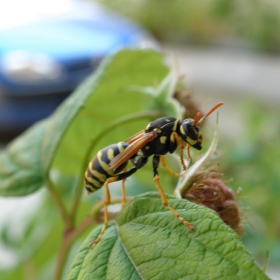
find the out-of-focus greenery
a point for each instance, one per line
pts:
(252, 160)
(253, 23)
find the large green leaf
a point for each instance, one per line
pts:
(20, 163)
(111, 111)
(103, 110)
(148, 242)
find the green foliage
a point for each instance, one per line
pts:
(207, 21)
(129, 89)
(20, 163)
(252, 162)
(147, 242)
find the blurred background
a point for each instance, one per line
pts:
(48, 48)
(227, 51)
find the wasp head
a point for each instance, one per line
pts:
(190, 133)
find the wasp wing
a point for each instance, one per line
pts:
(141, 141)
(135, 137)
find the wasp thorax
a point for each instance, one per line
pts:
(191, 134)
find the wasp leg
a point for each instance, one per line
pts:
(106, 203)
(123, 191)
(163, 162)
(107, 200)
(188, 152)
(180, 144)
(163, 197)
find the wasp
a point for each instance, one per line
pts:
(162, 136)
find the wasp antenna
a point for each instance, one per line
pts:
(210, 112)
(196, 118)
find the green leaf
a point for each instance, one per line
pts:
(110, 111)
(148, 242)
(20, 163)
(102, 111)
(163, 95)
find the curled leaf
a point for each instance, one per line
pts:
(186, 181)
(163, 96)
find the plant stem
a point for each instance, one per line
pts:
(67, 242)
(77, 199)
(59, 203)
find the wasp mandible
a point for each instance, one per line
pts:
(162, 136)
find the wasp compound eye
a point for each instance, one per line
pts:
(188, 130)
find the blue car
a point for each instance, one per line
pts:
(48, 47)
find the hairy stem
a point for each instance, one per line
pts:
(69, 238)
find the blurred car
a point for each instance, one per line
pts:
(48, 47)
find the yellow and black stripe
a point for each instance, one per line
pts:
(99, 170)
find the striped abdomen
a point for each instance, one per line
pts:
(99, 171)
